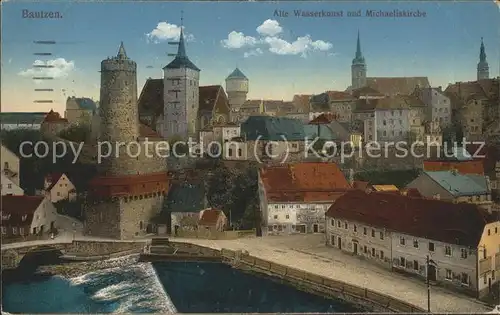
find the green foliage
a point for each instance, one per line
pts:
(181, 147)
(72, 209)
(34, 168)
(400, 178)
(235, 192)
(76, 133)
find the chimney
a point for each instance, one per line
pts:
(436, 197)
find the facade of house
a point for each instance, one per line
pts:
(53, 123)
(58, 186)
(79, 110)
(212, 220)
(9, 187)
(27, 215)
(293, 198)
(455, 187)
(400, 232)
(10, 164)
(438, 106)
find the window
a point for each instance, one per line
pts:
(287, 216)
(415, 265)
(402, 261)
(275, 217)
(484, 253)
(332, 240)
(447, 250)
(493, 275)
(276, 207)
(463, 253)
(381, 254)
(4, 230)
(140, 225)
(365, 231)
(365, 249)
(431, 247)
(338, 223)
(402, 240)
(485, 279)
(332, 222)
(373, 233)
(58, 194)
(449, 275)
(464, 278)
(9, 186)
(14, 230)
(355, 228)
(6, 165)
(21, 231)
(415, 243)
(24, 217)
(489, 231)
(346, 226)
(496, 230)
(373, 252)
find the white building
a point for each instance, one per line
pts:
(237, 90)
(180, 95)
(9, 187)
(58, 187)
(295, 197)
(400, 232)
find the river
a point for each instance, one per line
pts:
(170, 287)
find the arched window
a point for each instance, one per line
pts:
(6, 165)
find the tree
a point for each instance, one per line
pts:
(76, 133)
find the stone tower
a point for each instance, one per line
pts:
(483, 70)
(180, 94)
(358, 68)
(237, 89)
(119, 119)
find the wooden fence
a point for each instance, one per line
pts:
(317, 283)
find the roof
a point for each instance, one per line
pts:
(460, 184)
(366, 91)
(357, 184)
(387, 103)
(339, 96)
(313, 181)
(301, 102)
(209, 217)
(272, 129)
(181, 59)
(17, 207)
(482, 89)
(53, 178)
(385, 188)
(411, 192)
(185, 197)
(463, 167)
(22, 117)
(54, 117)
(325, 133)
(324, 118)
(236, 74)
(151, 98)
(210, 96)
(84, 103)
(396, 85)
(452, 223)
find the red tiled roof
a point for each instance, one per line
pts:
(307, 181)
(323, 119)
(437, 220)
(305, 196)
(463, 167)
(54, 117)
(17, 207)
(366, 91)
(209, 217)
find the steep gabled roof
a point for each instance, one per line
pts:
(19, 210)
(452, 223)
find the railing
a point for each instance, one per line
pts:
(485, 265)
(320, 283)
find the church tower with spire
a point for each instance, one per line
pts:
(358, 68)
(180, 94)
(483, 70)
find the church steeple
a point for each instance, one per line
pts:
(483, 70)
(181, 59)
(181, 51)
(358, 67)
(121, 52)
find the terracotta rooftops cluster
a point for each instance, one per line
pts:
(453, 223)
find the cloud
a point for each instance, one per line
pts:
(58, 68)
(270, 35)
(269, 28)
(254, 52)
(166, 31)
(237, 40)
(301, 46)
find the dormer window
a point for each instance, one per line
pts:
(5, 216)
(24, 217)
(6, 165)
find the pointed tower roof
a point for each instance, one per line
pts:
(121, 52)
(359, 56)
(482, 52)
(236, 74)
(181, 60)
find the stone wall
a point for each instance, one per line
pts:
(103, 219)
(134, 211)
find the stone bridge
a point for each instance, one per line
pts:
(13, 254)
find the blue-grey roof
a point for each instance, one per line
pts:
(181, 60)
(269, 128)
(460, 184)
(459, 154)
(86, 103)
(325, 133)
(237, 74)
(185, 197)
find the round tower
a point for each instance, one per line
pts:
(237, 89)
(119, 119)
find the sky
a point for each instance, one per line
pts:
(281, 55)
